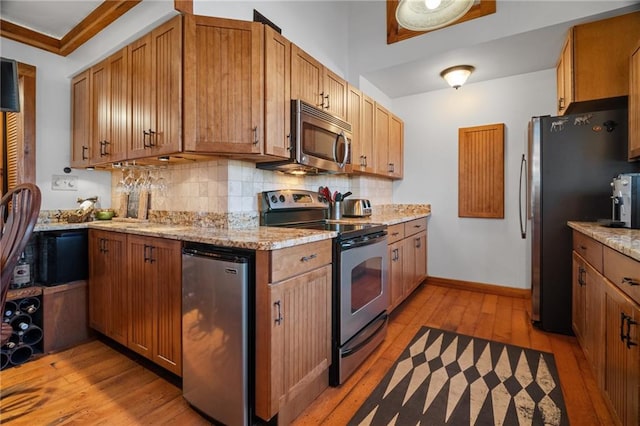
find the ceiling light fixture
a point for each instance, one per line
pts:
(429, 15)
(457, 76)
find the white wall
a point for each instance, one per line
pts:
(480, 250)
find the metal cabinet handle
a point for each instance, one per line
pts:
(148, 257)
(148, 133)
(321, 104)
(418, 242)
(631, 281)
(255, 135)
(279, 318)
(630, 322)
(560, 104)
(103, 148)
(623, 318)
(327, 98)
(289, 147)
(84, 149)
(581, 272)
(308, 258)
(365, 161)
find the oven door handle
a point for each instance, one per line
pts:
(355, 243)
(382, 319)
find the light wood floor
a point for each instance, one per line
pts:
(95, 384)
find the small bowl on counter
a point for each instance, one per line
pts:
(104, 214)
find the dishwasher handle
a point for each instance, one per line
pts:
(216, 255)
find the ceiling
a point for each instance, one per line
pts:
(401, 69)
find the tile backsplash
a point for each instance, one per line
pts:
(232, 186)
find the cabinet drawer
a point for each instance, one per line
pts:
(589, 249)
(623, 271)
(295, 260)
(415, 226)
(395, 233)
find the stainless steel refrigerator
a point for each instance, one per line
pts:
(571, 162)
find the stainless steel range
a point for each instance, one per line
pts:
(360, 287)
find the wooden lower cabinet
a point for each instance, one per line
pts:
(588, 303)
(605, 318)
(622, 362)
(155, 300)
(407, 259)
(293, 328)
(108, 309)
(135, 294)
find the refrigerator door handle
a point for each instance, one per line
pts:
(523, 221)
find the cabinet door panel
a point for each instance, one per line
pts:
(100, 110)
(142, 96)
(119, 130)
(165, 255)
(396, 273)
(306, 77)
(224, 87)
(301, 330)
(277, 94)
(98, 283)
(141, 296)
(335, 92)
(81, 120)
(167, 76)
(381, 140)
(396, 146)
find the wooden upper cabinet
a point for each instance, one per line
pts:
(223, 85)
(156, 91)
(360, 113)
(388, 143)
(597, 75)
(277, 94)
(81, 119)
(317, 85)
(396, 146)
(563, 75)
(110, 109)
(634, 104)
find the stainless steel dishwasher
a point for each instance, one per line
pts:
(217, 342)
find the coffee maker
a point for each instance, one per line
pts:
(625, 200)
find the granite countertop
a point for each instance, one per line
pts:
(250, 237)
(624, 240)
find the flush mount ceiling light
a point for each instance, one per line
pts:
(428, 15)
(456, 76)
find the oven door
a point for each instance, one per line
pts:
(363, 287)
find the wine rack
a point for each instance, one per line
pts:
(25, 317)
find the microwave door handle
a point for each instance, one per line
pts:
(346, 150)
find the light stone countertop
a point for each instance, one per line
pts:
(252, 238)
(624, 240)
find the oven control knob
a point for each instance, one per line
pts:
(282, 198)
(274, 199)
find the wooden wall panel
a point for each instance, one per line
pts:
(481, 171)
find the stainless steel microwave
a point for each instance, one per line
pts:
(320, 142)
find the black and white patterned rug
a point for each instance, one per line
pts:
(444, 378)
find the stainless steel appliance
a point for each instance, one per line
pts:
(360, 287)
(217, 336)
(356, 207)
(625, 200)
(571, 161)
(320, 142)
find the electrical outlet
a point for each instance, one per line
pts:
(64, 183)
